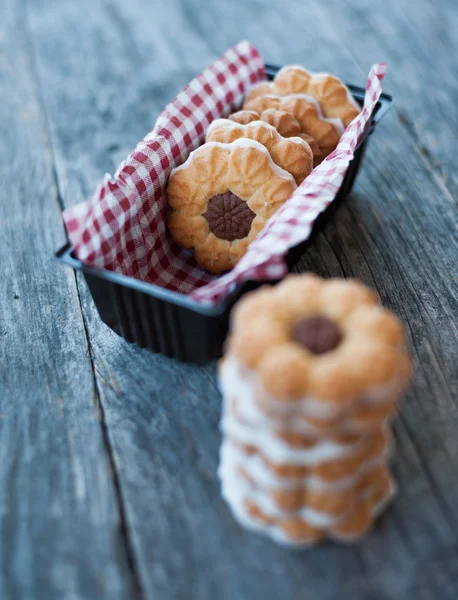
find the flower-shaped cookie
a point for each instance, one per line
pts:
(306, 111)
(284, 122)
(303, 514)
(244, 117)
(293, 154)
(321, 348)
(332, 471)
(222, 197)
(358, 516)
(333, 96)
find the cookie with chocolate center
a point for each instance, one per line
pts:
(222, 197)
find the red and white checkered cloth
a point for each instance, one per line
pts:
(123, 227)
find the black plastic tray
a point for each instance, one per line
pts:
(171, 323)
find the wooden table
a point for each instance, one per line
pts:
(108, 454)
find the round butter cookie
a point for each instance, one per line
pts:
(306, 110)
(318, 348)
(333, 96)
(291, 154)
(305, 517)
(284, 122)
(222, 197)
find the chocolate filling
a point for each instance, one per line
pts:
(229, 217)
(317, 334)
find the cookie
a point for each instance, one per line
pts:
(332, 471)
(371, 505)
(293, 154)
(291, 478)
(332, 504)
(306, 110)
(307, 516)
(311, 377)
(318, 348)
(243, 387)
(280, 445)
(318, 155)
(284, 122)
(222, 197)
(244, 117)
(333, 96)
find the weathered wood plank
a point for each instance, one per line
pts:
(396, 233)
(419, 42)
(59, 520)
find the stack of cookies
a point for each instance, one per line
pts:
(310, 381)
(251, 162)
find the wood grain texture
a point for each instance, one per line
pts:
(59, 520)
(103, 80)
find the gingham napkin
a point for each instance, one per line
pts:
(123, 227)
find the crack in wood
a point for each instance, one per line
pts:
(123, 523)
